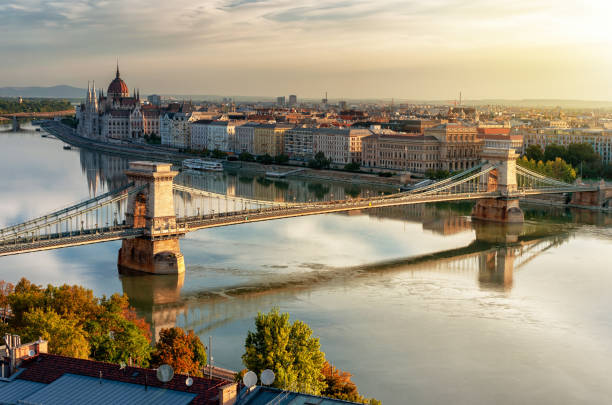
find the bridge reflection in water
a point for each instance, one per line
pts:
(491, 259)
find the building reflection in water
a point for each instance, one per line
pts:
(491, 258)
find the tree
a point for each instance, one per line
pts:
(352, 167)
(111, 329)
(534, 152)
(265, 159)
(554, 151)
(578, 153)
(65, 336)
(340, 386)
(218, 154)
(288, 349)
(184, 352)
(319, 161)
(246, 157)
(281, 159)
(6, 289)
(117, 335)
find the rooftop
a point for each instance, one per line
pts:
(66, 380)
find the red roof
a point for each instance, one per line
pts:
(46, 368)
(493, 131)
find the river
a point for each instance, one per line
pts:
(419, 303)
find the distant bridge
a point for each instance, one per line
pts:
(148, 215)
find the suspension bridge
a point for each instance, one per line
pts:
(152, 212)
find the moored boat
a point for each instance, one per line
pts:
(199, 164)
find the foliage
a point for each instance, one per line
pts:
(281, 159)
(117, 335)
(6, 289)
(319, 161)
(152, 139)
(12, 105)
(288, 349)
(352, 167)
(218, 154)
(437, 174)
(65, 336)
(246, 157)
(554, 151)
(557, 169)
(340, 386)
(184, 352)
(100, 328)
(70, 121)
(534, 152)
(265, 159)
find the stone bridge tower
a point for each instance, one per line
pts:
(152, 208)
(503, 179)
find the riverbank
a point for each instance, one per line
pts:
(160, 153)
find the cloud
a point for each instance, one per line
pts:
(207, 43)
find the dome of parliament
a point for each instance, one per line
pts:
(118, 88)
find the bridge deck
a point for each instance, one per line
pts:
(67, 239)
(240, 217)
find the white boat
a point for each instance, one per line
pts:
(199, 164)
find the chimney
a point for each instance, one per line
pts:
(228, 394)
(16, 352)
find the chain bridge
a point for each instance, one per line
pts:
(152, 212)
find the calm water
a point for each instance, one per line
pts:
(419, 303)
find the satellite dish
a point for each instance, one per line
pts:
(267, 377)
(32, 353)
(165, 373)
(189, 381)
(249, 379)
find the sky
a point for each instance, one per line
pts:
(402, 49)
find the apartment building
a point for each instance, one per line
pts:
(269, 139)
(599, 139)
(342, 146)
(414, 153)
(298, 143)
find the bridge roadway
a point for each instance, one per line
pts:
(68, 239)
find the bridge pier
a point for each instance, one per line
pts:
(596, 199)
(158, 251)
(502, 179)
(498, 210)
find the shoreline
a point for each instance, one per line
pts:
(68, 135)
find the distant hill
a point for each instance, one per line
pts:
(61, 91)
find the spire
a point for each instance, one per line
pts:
(117, 76)
(88, 91)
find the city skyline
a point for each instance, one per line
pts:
(354, 50)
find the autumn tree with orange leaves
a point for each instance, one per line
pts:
(183, 351)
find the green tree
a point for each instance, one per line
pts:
(184, 352)
(218, 154)
(116, 334)
(265, 159)
(534, 152)
(288, 349)
(246, 157)
(352, 167)
(319, 161)
(281, 159)
(554, 151)
(65, 336)
(581, 153)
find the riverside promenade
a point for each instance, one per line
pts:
(164, 154)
